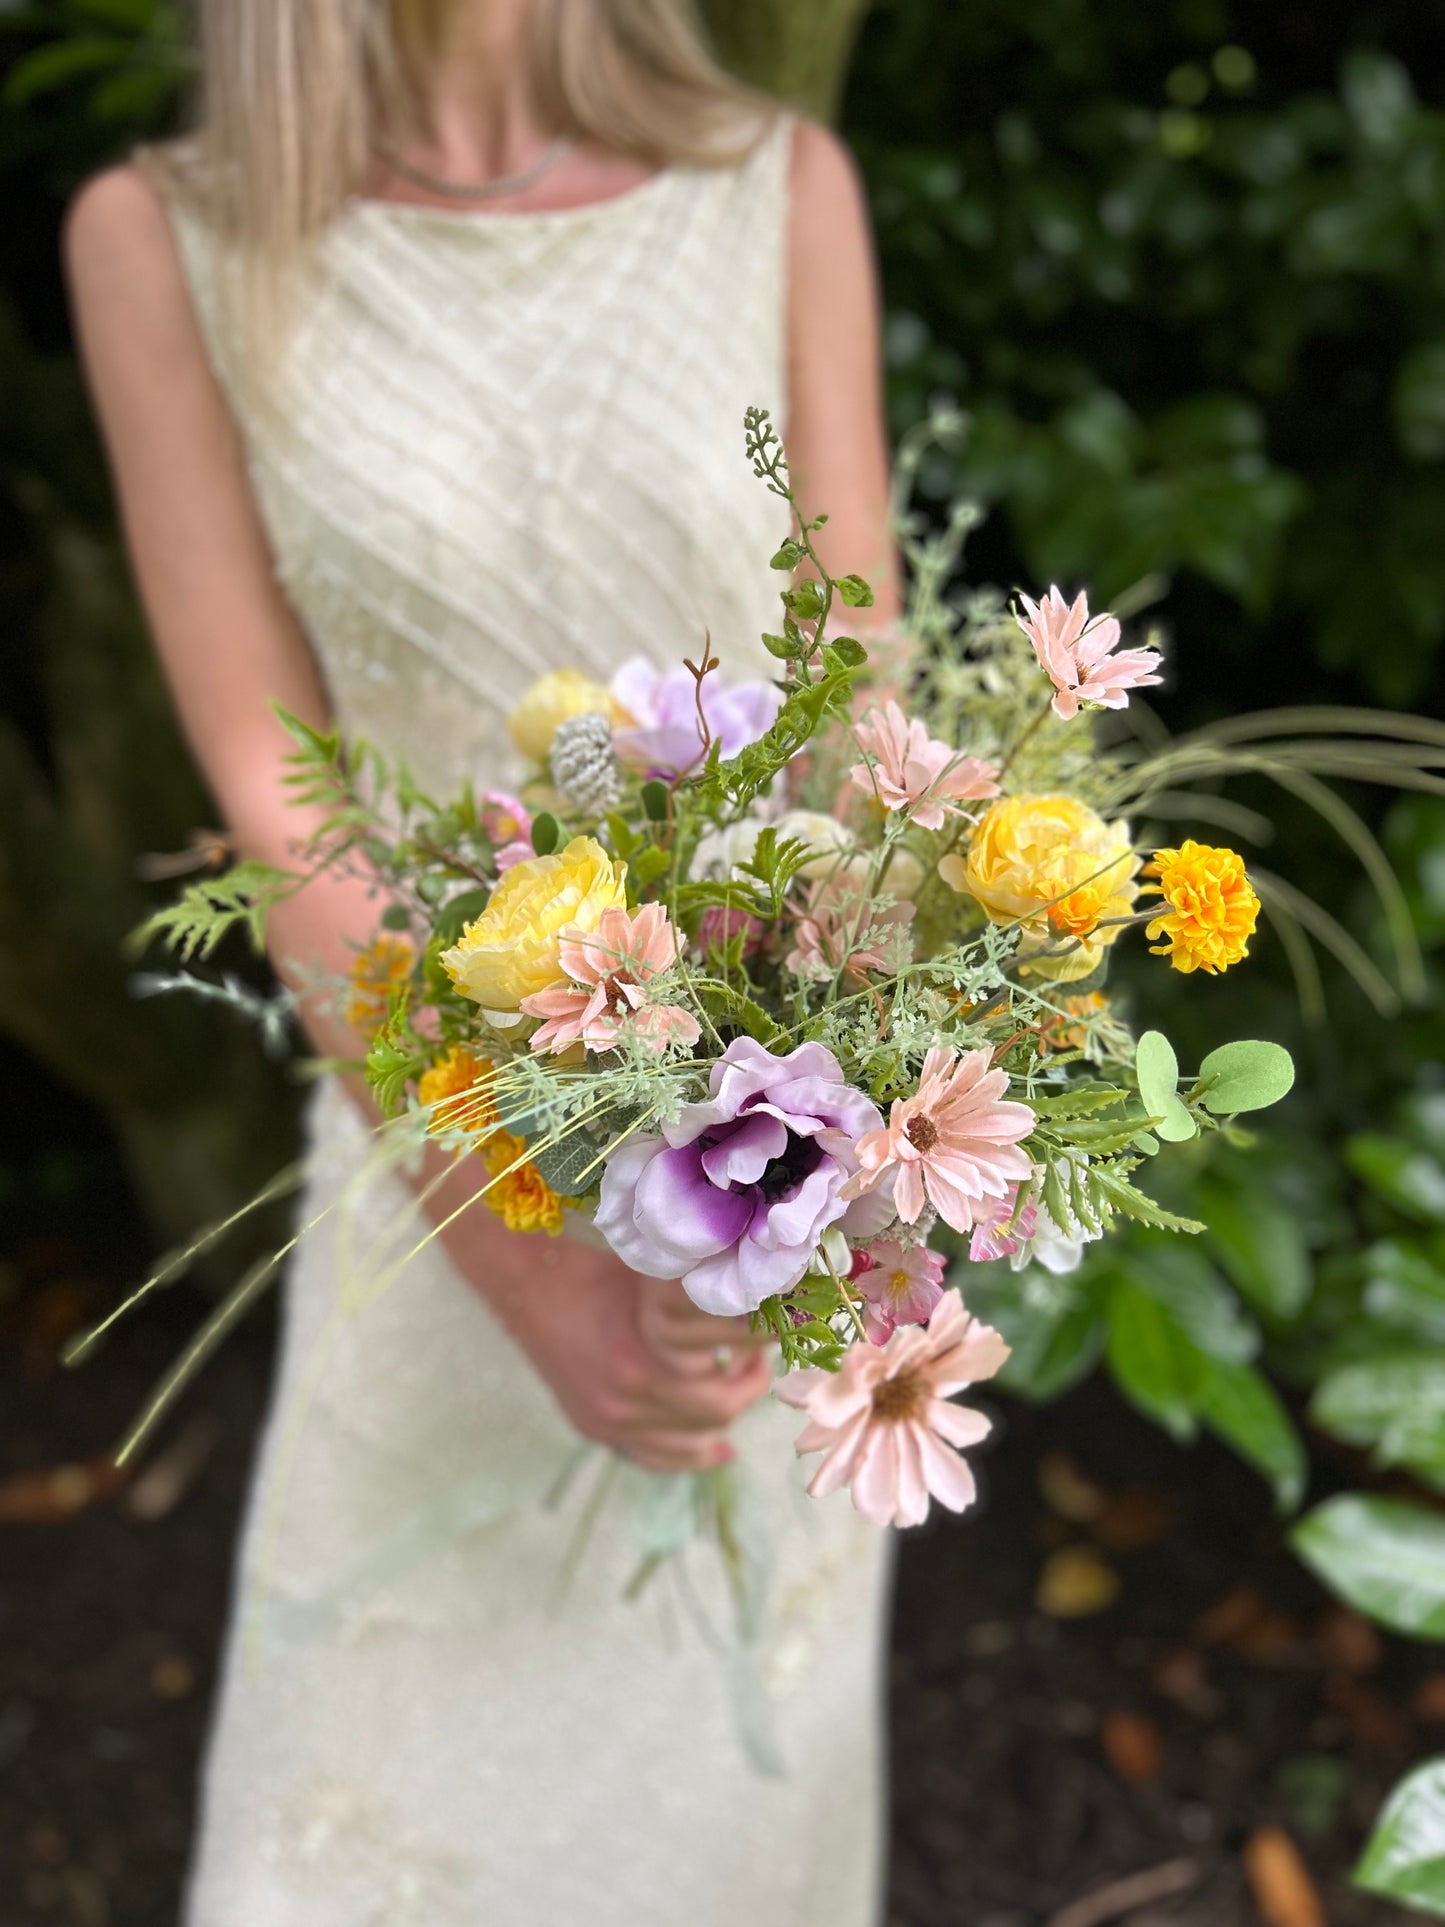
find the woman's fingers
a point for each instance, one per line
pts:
(699, 1401)
(662, 1451)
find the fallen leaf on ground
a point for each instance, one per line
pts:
(1350, 1641)
(1183, 1677)
(1075, 1582)
(1132, 1746)
(1140, 1517)
(1230, 1615)
(58, 1492)
(1068, 1491)
(1280, 1881)
(1429, 1701)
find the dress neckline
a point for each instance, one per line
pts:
(496, 217)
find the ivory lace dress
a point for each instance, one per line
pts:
(509, 443)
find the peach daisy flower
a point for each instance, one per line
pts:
(884, 1422)
(954, 1144)
(608, 968)
(911, 770)
(1081, 656)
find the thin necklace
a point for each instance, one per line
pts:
(491, 189)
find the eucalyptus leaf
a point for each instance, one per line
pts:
(1245, 1076)
(546, 833)
(1157, 1069)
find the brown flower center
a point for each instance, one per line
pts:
(921, 1132)
(896, 1400)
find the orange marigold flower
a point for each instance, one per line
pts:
(448, 1079)
(1212, 907)
(373, 977)
(521, 1198)
(1064, 1029)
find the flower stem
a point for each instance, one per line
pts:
(844, 1296)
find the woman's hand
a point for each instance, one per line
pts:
(631, 1361)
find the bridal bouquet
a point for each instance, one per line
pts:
(793, 990)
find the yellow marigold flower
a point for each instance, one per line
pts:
(1055, 866)
(373, 977)
(522, 1199)
(552, 700)
(450, 1078)
(510, 951)
(1212, 907)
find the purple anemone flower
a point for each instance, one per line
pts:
(663, 705)
(734, 1197)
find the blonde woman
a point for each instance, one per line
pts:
(421, 367)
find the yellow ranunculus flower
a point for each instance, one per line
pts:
(510, 950)
(1052, 864)
(552, 700)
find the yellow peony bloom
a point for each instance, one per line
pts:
(552, 700)
(521, 1198)
(510, 951)
(1212, 907)
(448, 1079)
(1053, 865)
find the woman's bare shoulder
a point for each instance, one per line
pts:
(120, 250)
(827, 187)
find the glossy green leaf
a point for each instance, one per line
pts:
(1405, 1287)
(1245, 1410)
(1394, 1405)
(1153, 1362)
(1401, 1172)
(1405, 1857)
(1245, 1076)
(1259, 1244)
(1382, 1556)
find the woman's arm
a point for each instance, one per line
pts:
(837, 438)
(620, 1354)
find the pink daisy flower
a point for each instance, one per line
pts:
(953, 1144)
(996, 1233)
(608, 968)
(911, 770)
(1081, 656)
(899, 1286)
(883, 1420)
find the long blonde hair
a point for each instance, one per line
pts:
(296, 93)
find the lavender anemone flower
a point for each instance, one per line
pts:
(663, 737)
(734, 1197)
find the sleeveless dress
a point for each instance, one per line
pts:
(508, 443)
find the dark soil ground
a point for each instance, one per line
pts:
(1110, 1672)
(1037, 1758)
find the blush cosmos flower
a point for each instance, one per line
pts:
(736, 1194)
(842, 929)
(1081, 656)
(884, 1422)
(660, 732)
(954, 1144)
(910, 770)
(609, 968)
(1210, 907)
(899, 1285)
